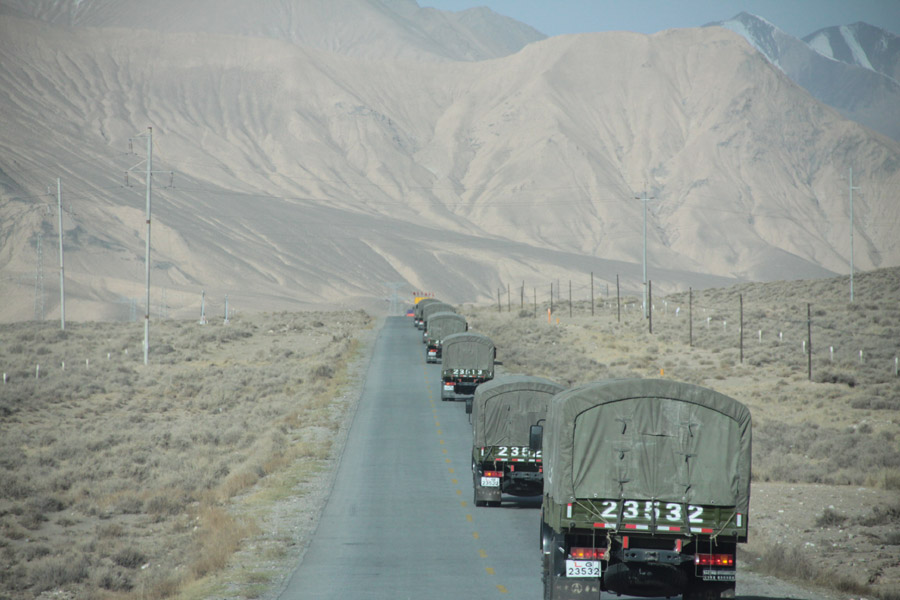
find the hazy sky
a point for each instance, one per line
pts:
(796, 17)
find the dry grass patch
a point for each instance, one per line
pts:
(120, 463)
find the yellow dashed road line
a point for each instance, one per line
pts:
(469, 518)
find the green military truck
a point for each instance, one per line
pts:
(420, 306)
(646, 490)
(467, 361)
(440, 325)
(503, 411)
(432, 309)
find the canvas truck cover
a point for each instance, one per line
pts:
(436, 307)
(421, 304)
(505, 408)
(648, 439)
(468, 351)
(442, 324)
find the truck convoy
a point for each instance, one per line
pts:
(646, 490)
(503, 411)
(432, 309)
(467, 361)
(420, 306)
(440, 325)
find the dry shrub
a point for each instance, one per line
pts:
(239, 481)
(323, 372)
(220, 536)
(114, 580)
(826, 376)
(830, 518)
(882, 515)
(57, 571)
(886, 479)
(129, 558)
(167, 503)
(791, 563)
(111, 530)
(159, 586)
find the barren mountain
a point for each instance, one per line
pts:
(837, 65)
(305, 176)
(372, 30)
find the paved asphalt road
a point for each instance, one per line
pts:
(400, 522)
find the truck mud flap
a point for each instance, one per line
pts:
(485, 496)
(645, 579)
(570, 588)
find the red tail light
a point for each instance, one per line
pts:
(714, 560)
(588, 553)
(493, 473)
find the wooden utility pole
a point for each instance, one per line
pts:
(691, 317)
(618, 303)
(741, 296)
(592, 293)
(809, 341)
(62, 270)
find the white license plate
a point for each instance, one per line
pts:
(490, 482)
(448, 388)
(582, 568)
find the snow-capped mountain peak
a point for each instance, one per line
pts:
(859, 44)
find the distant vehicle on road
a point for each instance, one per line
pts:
(467, 361)
(420, 306)
(433, 308)
(440, 325)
